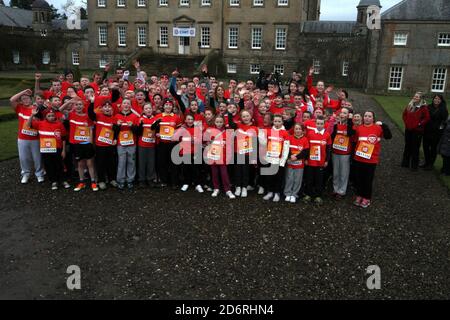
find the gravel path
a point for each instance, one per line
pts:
(146, 244)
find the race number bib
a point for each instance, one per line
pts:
(274, 149)
(215, 151)
(48, 145)
(26, 130)
(148, 135)
(106, 136)
(245, 145)
(315, 154)
(126, 138)
(166, 132)
(82, 134)
(341, 143)
(296, 152)
(365, 150)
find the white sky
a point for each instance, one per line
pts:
(331, 9)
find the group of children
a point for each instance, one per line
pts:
(184, 133)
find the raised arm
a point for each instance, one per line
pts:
(14, 100)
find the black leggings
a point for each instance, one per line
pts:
(54, 166)
(191, 172)
(167, 171)
(106, 161)
(364, 175)
(413, 140)
(275, 182)
(314, 181)
(430, 144)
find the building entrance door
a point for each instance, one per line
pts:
(184, 45)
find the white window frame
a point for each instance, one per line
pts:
(122, 36)
(439, 80)
(258, 3)
(280, 42)
(141, 3)
(235, 3)
(102, 36)
(121, 3)
(75, 58)
(401, 39)
(232, 68)
(255, 68)
(444, 39)
(102, 62)
(163, 3)
(46, 57)
(141, 36)
(316, 65)
(101, 3)
(279, 68)
(230, 37)
(283, 3)
(396, 74)
(16, 56)
(184, 3)
(205, 3)
(345, 66)
(254, 36)
(166, 36)
(205, 37)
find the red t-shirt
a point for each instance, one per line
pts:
(275, 142)
(80, 128)
(246, 139)
(217, 151)
(104, 134)
(297, 145)
(167, 126)
(148, 137)
(126, 136)
(25, 133)
(342, 143)
(318, 142)
(51, 135)
(368, 147)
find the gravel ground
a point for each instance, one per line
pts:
(147, 244)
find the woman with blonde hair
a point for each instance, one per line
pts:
(415, 117)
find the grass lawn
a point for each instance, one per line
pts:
(8, 142)
(394, 106)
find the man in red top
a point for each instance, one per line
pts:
(319, 156)
(28, 140)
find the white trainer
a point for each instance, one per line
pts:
(293, 199)
(268, 196)
(215, 193)
(288, 199)
(250, 188)
(25, 179)
(237, 193)
(276, 198)
(185, 187)
(66, 185)
(199, 189)
(260, 191)
(54, 186)
(244, 193)
(231, 195)
(40, 179)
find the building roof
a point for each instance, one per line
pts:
(366, 3)
(419, 10)
(59, 24)
(328, 27)
(40, 4)
(15, 17)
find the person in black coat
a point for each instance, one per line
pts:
(444, 149)
(434, 129)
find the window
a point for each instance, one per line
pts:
(278, 68)
(316, 65)
(396, 78)
(122, 36)
(45, 57)
(345, 66)
(439, 80)
(258, 3)
(142, 36)
(233, 37)
(255, 68)
(206, 3)
(234, 3)
(400, 39)
(205, 37)
(141, 3)
(102, 62)
(75, 58)
(184, 3)
(163, 36)
(256, 38)
(283, 3)
(101, 3)
(444, 40)
(102, 35)
(232, 68)
(43, 32)
(16, 57)
(121, 3)
(280, 38)
(163, 3)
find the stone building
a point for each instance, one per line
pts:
(31, 39)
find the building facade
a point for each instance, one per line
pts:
(31, 39)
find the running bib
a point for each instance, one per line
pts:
(166, 132)
(148, 136)
(274, 149)
(314, 154)
(106, 136)
(82, 134)
(26, 130)
(245, 145)
(48, 145)
(215, 151)
(341, 143)
(365, 150)
(295, 152)
(126, 138)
